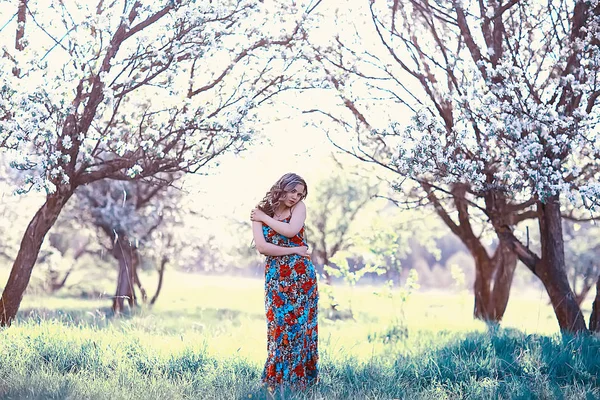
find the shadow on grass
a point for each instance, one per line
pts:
(502, 364)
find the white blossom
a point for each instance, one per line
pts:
(134, 171)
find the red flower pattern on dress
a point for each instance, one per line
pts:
(284, 271)
(299, 370)
(297, 241)
(300, 268)
(306, 286)
(290, 318)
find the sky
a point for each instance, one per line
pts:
(241, 180)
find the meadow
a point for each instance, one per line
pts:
(205, 339)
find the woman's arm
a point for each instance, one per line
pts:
(288, 229)
(269, 249)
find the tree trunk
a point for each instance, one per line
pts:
(595, 317)
(482, 287)
(493, 275)
(125, 253)
(580, 297)
(138, 282)
(161, 273)
(57, 284)
(33, 238)
(325, 273)
(506, 260)
(493, 280)
(552, 269)
(320, 257)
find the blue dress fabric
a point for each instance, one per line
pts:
(291, 298)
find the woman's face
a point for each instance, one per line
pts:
(294, 196)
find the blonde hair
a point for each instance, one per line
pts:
(273, 197)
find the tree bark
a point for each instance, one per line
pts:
(493, 275)
(482, 287)
(549, 267)
(21, 19)
(552, 272)
(493, 280)
(137, 279)
(595, 317)
(33, 238)
(506, 260)
(161, 273)
(126, 255)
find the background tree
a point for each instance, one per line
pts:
(335, 203)
(582, 246)
(126, 213)
(394, 239)
(132, 92)
(503, 122)
(70, 247)
(62, 253)
(353, 72)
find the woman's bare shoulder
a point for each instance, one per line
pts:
(300, 206)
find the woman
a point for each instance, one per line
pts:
(291, 294)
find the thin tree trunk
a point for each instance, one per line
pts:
(326, 274)
(139, 283)
(136, 263)
(124, 253)
(56, 285)
(20, 34)
(552, 272)
(580, 297)
(33, 238)
(320, 257)
(21, 18)
(595, 317)
(161, 273)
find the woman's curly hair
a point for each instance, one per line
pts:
(273, 197)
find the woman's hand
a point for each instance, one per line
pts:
(257, 215)
(301, 251)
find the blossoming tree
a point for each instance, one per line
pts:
(128, 214)
(131, 90)
(503, 95)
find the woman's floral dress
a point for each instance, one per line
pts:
(291, 298)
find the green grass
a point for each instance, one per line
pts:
(205, 339)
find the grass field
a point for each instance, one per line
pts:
(205, 339)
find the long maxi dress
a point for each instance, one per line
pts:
(291, 298)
